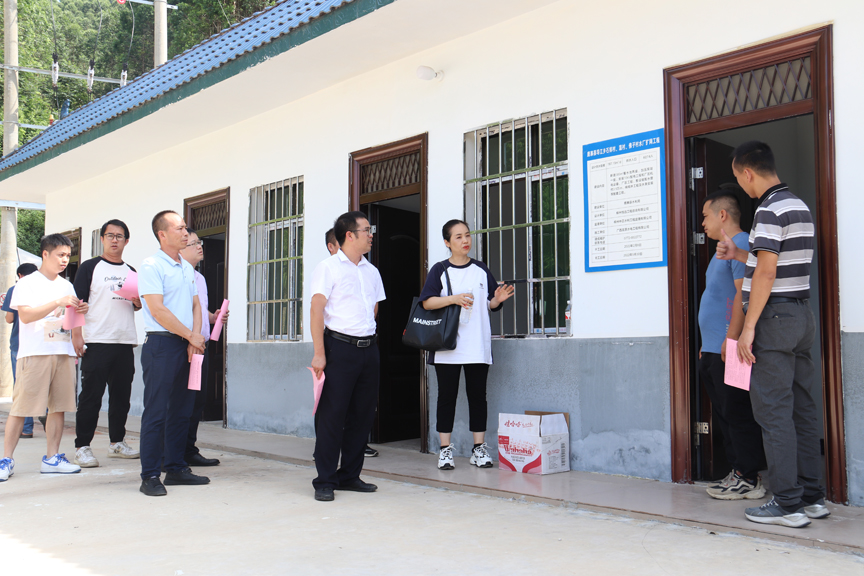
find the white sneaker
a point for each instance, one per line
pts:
(445, 458)
(84, 458)
(480, 456)
(7, 465)
(58, 464)
(122, 450)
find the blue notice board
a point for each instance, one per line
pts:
(625, 202)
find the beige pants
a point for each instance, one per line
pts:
(44, 382)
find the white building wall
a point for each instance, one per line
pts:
(603, 62)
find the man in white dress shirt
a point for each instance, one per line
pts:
(346, 290)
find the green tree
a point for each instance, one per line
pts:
(31, 228)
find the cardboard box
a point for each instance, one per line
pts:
(537, 443)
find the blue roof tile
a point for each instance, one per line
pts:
(245, 36)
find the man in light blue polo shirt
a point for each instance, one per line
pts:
(172, 320)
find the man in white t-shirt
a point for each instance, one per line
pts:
(46, 358)
(110, 337)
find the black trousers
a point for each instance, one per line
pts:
(197, 409)
(346, 411)
(448, 390)
(104, 364)
(167, 404)
(733, 412)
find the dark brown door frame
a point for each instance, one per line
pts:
(818, 45)
(189, 206)
(384, 152)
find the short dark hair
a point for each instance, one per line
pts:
(26, 269)
(447, 230)
(345, 223)
(756, 156)
(723, 199)
(191, 231)
(50, 242)
(330, 237)
(159, 222)
(115, 222)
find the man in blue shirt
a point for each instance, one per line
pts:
(172, 321)
(733, 413)
(12, 318)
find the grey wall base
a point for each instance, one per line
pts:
(852, 346)
(616, 391)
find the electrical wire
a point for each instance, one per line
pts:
(55, 66)
(124, 74)
(91, 71)
(228, 22)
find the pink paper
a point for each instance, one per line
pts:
(217, 326)
(72, 319)
(317, 387)
(737, 372)
(129, 290)
(195, 372)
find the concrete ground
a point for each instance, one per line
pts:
(258, 517)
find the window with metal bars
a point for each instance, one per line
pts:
(97, 248)
(275, 270)
(517, 202)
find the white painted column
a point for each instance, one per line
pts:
(160, 32)
(10, 77)
(8, 265)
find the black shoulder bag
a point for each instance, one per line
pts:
(432, 329)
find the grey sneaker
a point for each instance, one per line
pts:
(738, 489)
(816, 509)
(84, 457)
(772, 513)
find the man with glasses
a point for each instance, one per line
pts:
(194, 254)
(105, 345)
(346, 290)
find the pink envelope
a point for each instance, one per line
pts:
(195, 372)
(737, 372)
(317, 387)
(217, 326)
(129, 290)
(72, 319)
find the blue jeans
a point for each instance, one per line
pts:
(168, 404)
(28, 422)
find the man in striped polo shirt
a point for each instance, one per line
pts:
(776, 338)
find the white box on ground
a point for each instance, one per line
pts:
(533, 444)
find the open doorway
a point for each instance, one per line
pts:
(388, 183)
(792, 140)
(750, 89)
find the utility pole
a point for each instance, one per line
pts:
(9, 216)
(160, 32)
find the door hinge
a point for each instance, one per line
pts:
(700, 427)
(696, 173)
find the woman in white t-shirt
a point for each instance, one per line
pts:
(471, 280)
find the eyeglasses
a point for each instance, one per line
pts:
(196, 243)
(110, 236)
(368, 230)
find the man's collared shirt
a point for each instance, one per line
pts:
(175, 281)
(351, 291)
(201, 284)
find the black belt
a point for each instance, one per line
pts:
(781, 299)
(364, 342)
(166, 333)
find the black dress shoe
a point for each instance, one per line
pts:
(324, 494)
(358, 486)
(199, 460)
(185, 477)
(153, 487)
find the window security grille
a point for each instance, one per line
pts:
(516, 201)
(97, 248)
(275, 270)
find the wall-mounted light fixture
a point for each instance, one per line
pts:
(427, 73)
